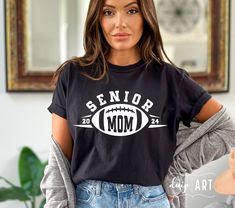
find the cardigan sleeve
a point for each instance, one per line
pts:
(210, 141)
(56, 184)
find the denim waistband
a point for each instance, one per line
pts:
(114, 187)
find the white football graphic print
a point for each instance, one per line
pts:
(119, 119)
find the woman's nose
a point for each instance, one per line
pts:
(120, 20)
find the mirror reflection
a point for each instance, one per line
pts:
(184, 28)
(53, 34)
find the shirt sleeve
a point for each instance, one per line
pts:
(58, 103)
(191, 98)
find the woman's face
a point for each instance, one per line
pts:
(122, 16)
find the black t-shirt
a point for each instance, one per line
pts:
(124, 130)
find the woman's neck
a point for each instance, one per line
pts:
(123, 58)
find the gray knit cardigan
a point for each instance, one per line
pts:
(196, 146)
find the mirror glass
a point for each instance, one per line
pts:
(184, 29)
(52, 33)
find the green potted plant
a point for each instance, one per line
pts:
(30, 169)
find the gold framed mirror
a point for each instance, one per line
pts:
(42, 34)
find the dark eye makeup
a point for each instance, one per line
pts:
(107, 12)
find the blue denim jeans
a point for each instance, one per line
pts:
(102, 194)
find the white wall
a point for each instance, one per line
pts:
(25, 121)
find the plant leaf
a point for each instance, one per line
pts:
(7, 181)
(13, 193)
(31, 171)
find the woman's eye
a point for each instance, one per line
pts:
(107, 12)
(133, 11)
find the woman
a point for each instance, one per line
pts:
(116, 110)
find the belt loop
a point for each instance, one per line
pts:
(136, 187)
(98, 187)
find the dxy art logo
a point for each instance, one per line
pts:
(120, 117)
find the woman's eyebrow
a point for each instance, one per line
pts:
(124, 6)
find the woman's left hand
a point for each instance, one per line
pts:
(170, 198)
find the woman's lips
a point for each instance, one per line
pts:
(121, 36)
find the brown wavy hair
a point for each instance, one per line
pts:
(97, 48)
